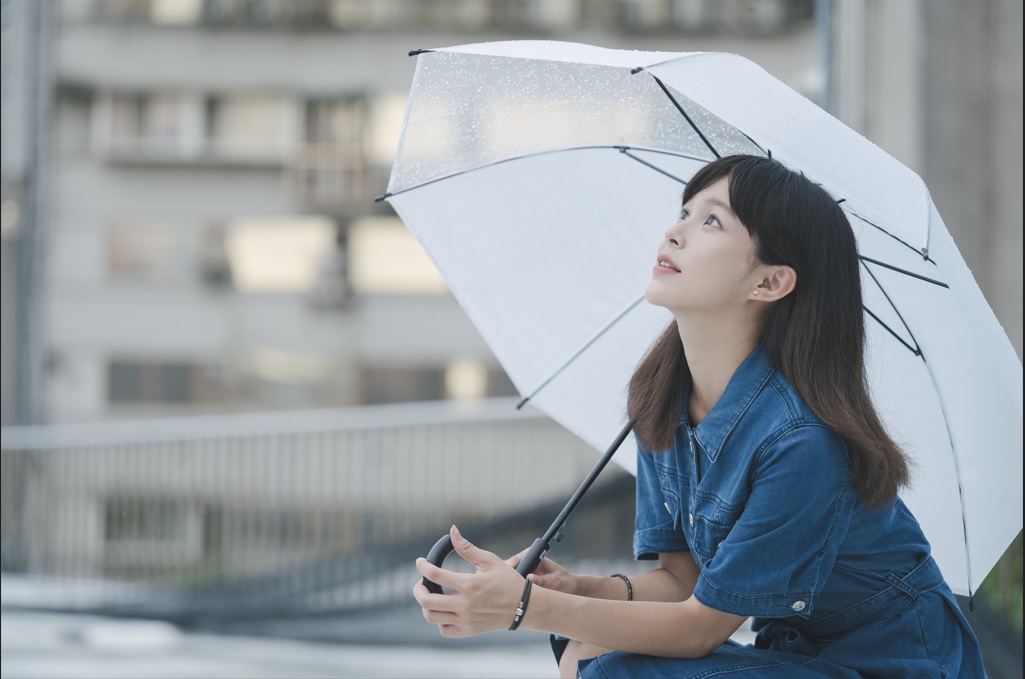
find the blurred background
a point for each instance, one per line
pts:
(237, 398)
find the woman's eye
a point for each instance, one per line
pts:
(713, 221)
(684, 214)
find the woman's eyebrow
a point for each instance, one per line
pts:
(724, 206)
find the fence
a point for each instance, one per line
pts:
(268, 514)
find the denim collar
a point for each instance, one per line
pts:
(747, 382)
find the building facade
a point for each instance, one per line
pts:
(207, 239)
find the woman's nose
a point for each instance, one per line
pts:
(674, 234)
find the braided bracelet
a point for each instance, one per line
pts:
(629, 585)
(522, 608)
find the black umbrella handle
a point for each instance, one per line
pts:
(443, 547)
(533, 556)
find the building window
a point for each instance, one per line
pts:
(175, 12)
(255, 126)
(385, 258)
(161, 125)
(545, 15)
(499, 384)
(147, 251)
(151, 382)
(330, 171)
(399, 384)
(472, 379)
(286, 254)
(297, 254)
(176, 127)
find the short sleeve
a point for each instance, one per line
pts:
(775, 559)
(656, 521)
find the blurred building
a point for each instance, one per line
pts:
(205, 237)
(938, 85)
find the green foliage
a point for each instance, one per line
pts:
(1003, 586)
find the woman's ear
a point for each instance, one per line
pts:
(777, 283)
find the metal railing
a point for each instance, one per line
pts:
(283, 512)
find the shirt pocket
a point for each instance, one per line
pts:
(710, 522)
(673, 482)
(671, 501)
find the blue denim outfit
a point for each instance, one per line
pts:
(760, 493)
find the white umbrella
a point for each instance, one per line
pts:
(540, 176)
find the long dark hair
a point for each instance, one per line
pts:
(815, 336)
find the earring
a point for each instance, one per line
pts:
(754, 292)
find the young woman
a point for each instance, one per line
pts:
(766, 484)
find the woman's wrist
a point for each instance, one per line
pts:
(585, 585)
(601, 587)
(629, 585)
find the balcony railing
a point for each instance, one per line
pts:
(319, 510)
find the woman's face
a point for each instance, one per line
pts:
(706, 262)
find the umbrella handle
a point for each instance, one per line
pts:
(533, 556)
(443, 547)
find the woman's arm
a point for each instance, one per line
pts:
(686, 629)
(673, 580)
(485, 601)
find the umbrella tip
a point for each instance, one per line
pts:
(383, 196)
(413, 53)
(635, 71)
(519, 406)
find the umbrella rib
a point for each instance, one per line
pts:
(922, 253)
(687, 117)
(916, 352)
(619, 147)
(680, 108)
(904, 271)
(626, 151)
(960, 490)
(917, 349)
(580, 351)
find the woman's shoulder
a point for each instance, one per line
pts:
(779, 417)
(780, 398)
(771, 422)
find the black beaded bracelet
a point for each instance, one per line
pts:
(522, 608)
(629, 585)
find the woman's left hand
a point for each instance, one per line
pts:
(480, 602)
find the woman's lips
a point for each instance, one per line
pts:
(664, 265)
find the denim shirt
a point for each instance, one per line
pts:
(760, 493)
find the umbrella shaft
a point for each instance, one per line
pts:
(533, 557)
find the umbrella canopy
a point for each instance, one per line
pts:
(540, 177)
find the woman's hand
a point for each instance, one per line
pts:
(480, 602)
(550, 575)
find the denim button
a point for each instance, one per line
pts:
(798, 606)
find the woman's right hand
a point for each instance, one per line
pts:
(549, 575)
